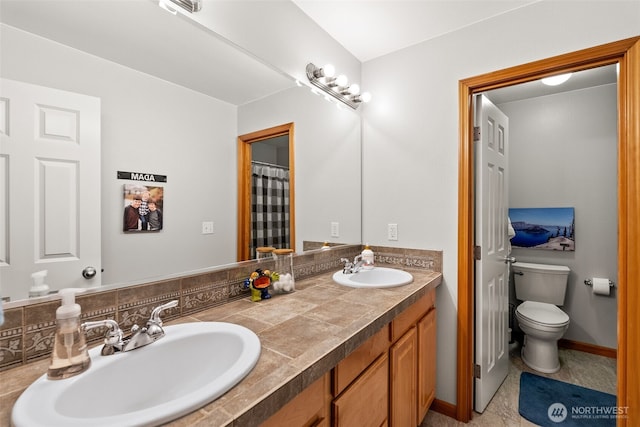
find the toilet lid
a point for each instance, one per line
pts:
(544, 313)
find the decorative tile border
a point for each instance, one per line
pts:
(27, 334)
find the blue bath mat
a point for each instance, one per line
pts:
(550, 403)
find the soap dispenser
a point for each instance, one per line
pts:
(70, 356)
(39, 288)
(367, 258)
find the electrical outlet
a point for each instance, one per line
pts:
(335, 229)
(392, 231)
(207, 227)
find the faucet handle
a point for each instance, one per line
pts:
(112, 338)
(155, 314)
(348, 265)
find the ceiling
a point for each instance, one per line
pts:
(134, 34)
(372, 28)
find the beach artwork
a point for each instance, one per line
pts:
(544, 228)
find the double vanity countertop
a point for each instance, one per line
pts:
(303, 334)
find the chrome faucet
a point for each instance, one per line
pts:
(151, 332)
(114, 341)
(112, 338)
(352, 267)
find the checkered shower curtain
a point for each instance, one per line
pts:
(269, 207)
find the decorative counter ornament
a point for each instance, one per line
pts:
(259, 283)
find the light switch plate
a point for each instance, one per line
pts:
(207, 227)
(392, 231)
(335, 229)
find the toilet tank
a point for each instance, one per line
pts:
(540, 282)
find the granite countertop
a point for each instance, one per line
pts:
(303, 334)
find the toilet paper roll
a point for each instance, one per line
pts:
(600, 286)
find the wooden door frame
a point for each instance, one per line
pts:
(244, 185)
(627, 54)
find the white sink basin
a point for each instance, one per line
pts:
(193, 364)
(377, 277)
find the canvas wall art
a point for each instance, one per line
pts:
(143, 208)
(544, 228)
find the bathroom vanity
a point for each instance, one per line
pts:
(388, 380)
(329, 353)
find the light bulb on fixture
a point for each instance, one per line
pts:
(363, 97)
(556, 80)
(354, 89)
(327, 72)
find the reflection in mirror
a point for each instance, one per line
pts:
(266, 190)
(157, 118)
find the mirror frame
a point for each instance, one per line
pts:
(244, 185)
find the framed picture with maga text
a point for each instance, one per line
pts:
(143, 208)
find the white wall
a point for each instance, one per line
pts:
(563, 153)
(410, 130)
(327, 161)
(148, 125)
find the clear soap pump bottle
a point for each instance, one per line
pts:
(70, 356)
(368, 258)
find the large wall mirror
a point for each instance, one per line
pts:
(174, 97)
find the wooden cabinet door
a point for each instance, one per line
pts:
(365, 403)
(404, 366)
(426, 363)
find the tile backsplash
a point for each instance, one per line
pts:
(27, 334)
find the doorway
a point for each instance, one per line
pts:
(270, 169)
(626, 53)
(561, 144)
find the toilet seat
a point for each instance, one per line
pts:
(542, 314)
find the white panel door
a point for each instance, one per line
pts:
(492, 290)
(49, 187)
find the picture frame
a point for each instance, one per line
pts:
(143, 208)
(543, 228)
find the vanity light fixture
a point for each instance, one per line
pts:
(190, 6)
(337, 87)
(556, 80)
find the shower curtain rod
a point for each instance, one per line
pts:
(269, 164)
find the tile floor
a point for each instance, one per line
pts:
(584, 369)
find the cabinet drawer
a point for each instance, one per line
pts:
(309, 408)
(411, 315)
(350, 367)
(365, 402)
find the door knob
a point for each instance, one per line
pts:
(89, 272)
(509, 259)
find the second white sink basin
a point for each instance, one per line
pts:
(193, 364)
(377, 277)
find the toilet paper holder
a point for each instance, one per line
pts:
(588, 282)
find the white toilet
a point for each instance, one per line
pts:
(542, 288)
